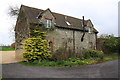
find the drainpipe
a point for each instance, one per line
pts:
(73, 41)
(82, 38)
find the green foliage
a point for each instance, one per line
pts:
(112, 44)
(36, 48)
(70, 62)
(60, 63)
(6, 49)
(106, 36)
(107, 59)
(93, 54)
(0, 77)
(76, 61)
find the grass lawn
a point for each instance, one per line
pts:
(7, 49)
(109, 57)
(72, 62)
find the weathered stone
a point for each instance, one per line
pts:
(66, 42)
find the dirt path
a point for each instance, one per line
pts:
(7, 57)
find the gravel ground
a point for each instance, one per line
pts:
(7, 57)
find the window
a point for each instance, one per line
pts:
(82, 23)
(48, 25)
(91, 44)
(67, 23)
(51, 43)
(90, 30)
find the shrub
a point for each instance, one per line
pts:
(112, 44)
(93, 54)
(76, 61)
(107, 59)
(36, 48)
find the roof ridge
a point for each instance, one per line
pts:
(31, 7)
(52, 12)
(66, 15)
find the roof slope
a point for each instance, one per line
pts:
(61, 19)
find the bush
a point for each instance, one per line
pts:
(76, 61)
(112, 44)
(107, 59)
(37, 48)
(93, 54)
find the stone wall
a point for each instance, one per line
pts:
(70, 41)
(21, 33)
(66, 42)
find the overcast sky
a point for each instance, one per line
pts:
(103, 13)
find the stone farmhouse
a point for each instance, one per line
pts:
(66, 34)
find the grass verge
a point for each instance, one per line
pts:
(71, 62)
(7, 49)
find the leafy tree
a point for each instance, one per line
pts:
(36, 48)
(112, 44)
(106, 36)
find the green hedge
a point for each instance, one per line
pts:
(93, 54)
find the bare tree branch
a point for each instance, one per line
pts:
(13, 11)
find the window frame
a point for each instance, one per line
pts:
(48, 23)
(91, 45)
(52, 45)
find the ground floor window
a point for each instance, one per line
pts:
(51, 44)
(90, 45)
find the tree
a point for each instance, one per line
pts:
(112, 44)
(36, 48)
(13, 12)
(106, 36)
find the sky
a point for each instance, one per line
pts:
(103, 14)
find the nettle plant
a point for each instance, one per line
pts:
(36, 48)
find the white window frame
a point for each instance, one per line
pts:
(90, 30)
(48, 24)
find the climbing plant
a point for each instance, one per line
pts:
(36, 48)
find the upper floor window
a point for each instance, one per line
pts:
(48, 24)
(90, 30)
(67, 23)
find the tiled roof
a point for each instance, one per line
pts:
(76, 23)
